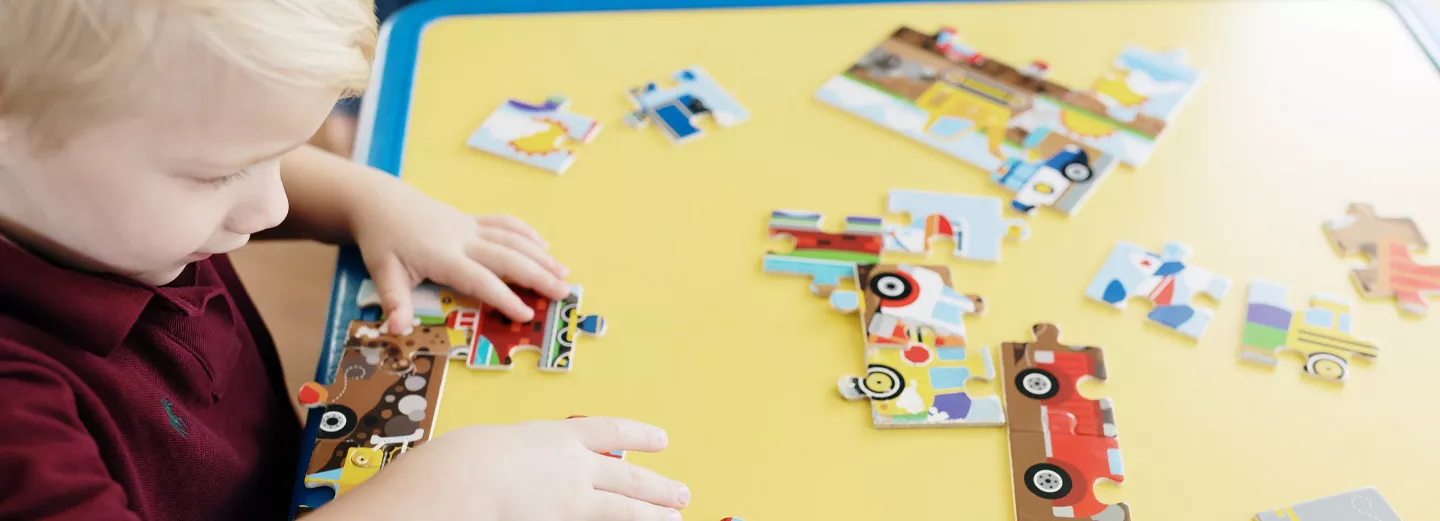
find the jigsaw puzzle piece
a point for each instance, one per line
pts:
(1361, 231)
(923, 385)
(1055, 171)
(493, 339)
(381, 402)
(916, 353)
(1146, 83)
(532, 134)
(828, 258)
(677, 109)
(1396, 274)
(1165, 279)
(909, 297)
(1060, 442)
(552, 333)
(1055, 474)
(975, 224)
(1365, 504)
(1321, 334)
(1045, 386)
(1389, 242)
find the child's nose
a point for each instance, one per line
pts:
(264, 208)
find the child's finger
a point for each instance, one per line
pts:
(514, 224)
(636, 482)
(393, 282)
(612, 434)
(519, 269)
(474, 280)
(614, 507)
(526, 246)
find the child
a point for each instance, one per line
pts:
(140, 141)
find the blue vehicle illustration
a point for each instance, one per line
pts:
(1042, 184)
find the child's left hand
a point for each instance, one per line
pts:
(407, 237)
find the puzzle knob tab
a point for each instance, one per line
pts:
(312, 395)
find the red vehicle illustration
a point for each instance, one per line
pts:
(1061, 442)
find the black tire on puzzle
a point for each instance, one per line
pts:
(1037, 384)
(1047, 481)
(337, 422)
(1077, 172)
(890, 286)
(1327, 365)
(882, 382)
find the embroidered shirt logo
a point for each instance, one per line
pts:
(175, 420)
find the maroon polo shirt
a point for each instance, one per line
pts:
(124, 401)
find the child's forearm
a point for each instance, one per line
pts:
(324, 190)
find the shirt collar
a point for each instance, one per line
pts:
(93, 311)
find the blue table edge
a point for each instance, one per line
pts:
(385, 111)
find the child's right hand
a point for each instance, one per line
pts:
(534, 471)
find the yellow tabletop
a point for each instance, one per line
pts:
(1306, 106)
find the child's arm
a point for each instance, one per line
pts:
(50, 467)
(536, 471)
(407, 237)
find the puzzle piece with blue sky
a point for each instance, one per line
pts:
(1165, 279)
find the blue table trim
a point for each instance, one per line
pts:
(385, 117)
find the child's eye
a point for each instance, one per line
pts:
(222, 181)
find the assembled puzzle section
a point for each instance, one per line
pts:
(1365, 504)
(678, 109)
(918, 364)
(1165, 279)
(1321, 334)
(827, 258)
(1061, 443)
(1389, 243)
(486, 339)
(973, 223)
(381, 402)
(532, 134)
(935, 90)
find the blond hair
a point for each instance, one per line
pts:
(64, 63)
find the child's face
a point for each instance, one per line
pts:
(192, 173)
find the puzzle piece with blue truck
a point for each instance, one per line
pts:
(678, 109)
(919, 366)
(1321, 333)
(1166, 279)
(533, 134)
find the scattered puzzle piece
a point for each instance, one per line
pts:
(1164, 279)
(677, 109)
(1061, 443)
(487, 339)
(382, 402)
(1388, 241)
(532, 134)
(1321, 334)
(1365, 504)
(827, 258)
(915, 349)
(974, 223)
